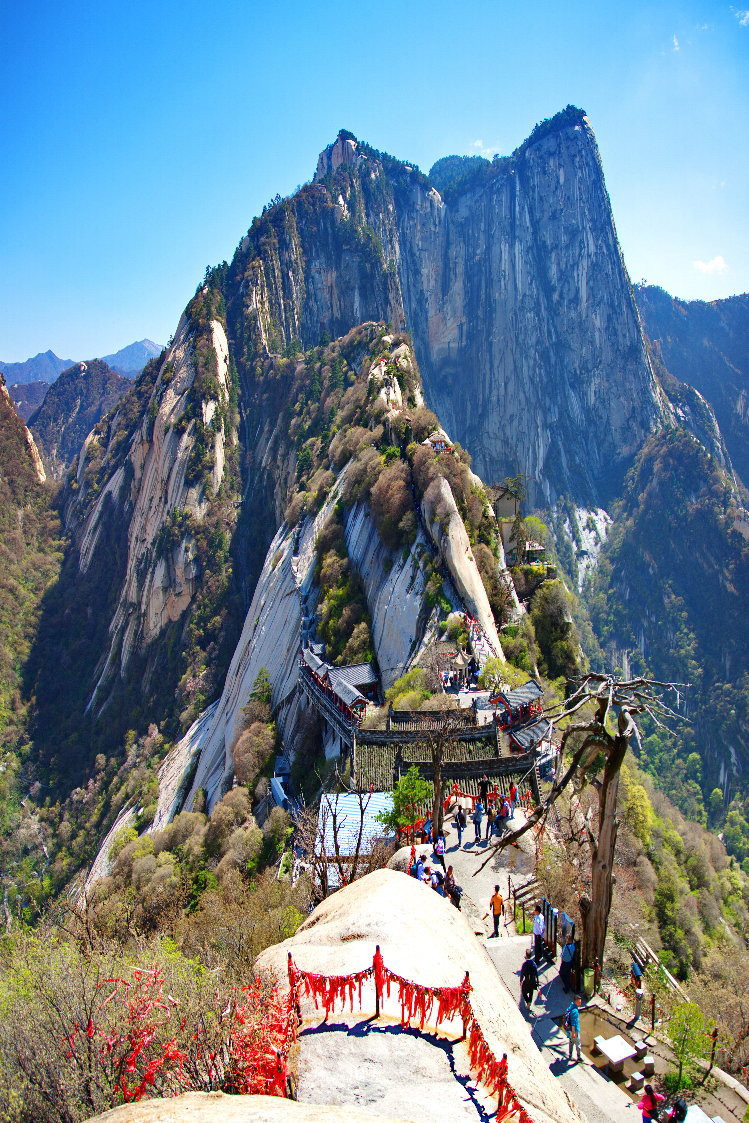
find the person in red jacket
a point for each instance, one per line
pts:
(648, 1105)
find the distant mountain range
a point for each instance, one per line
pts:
(46, 366)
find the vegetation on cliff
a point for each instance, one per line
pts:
(72, 406)
(667, 597)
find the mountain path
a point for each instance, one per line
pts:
(599, 1099)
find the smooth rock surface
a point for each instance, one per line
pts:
(215, 1107)
(423, 938)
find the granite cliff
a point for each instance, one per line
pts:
(523, 318)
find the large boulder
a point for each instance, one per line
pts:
(422, 938)
(215, 1107)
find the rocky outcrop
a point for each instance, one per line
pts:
(394, 911)
(395, 586)
(216, 1107)
(448, 533)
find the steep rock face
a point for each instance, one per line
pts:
(150, 486)
(523, 318)
(705, 344)
(21, 435)
(71, 408)
(395, 589)
(141, 601)
(449, 536)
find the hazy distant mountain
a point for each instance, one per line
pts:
(27, 397)
(130, 360)
(44, 367)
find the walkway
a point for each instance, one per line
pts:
(599, 1099)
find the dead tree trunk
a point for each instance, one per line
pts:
(595, 912)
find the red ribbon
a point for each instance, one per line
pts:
(417, 1004)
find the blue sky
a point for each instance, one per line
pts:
(138, 140)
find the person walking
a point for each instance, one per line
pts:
(528, 978)
(566, 963)
(439, 850)
(491, 815)
(539, 928)
(513, 798)
(572, 1026)
(460, 824)
(649, 1103)
(497, 909)
(503, 816)
(478, 818)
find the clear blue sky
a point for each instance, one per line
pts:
(138, 139)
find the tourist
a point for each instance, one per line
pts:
(513, 798)
(420, 867)
(528, 978)
(572, 1026)
(478, 818)
(460, 824)
(539, 928)
(635, 974)
(503, 817)
(450, 886)
(497, 909)
(484, 788)
(648, 1105)
(439, 850)
(436, 879)
(491, 815)
(566, 963)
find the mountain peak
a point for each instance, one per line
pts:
(344, 150)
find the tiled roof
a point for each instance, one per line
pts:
(522, 695)
(528, 736)
(345, 691)
(358, 674)
(313, 662)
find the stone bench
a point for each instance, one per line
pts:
(648, 1065)
(640, 1049)
(636, 1081)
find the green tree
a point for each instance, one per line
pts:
(261, 688)
(409, 795)
(715, 806)
(413, 684)
(688, 1033)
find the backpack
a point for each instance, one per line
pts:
(680, 1109)
(440, 876)
(414, 871)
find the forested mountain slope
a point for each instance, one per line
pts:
(71, 407)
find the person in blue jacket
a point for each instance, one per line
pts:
(572, 1026)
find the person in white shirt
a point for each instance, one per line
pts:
(539, 928)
